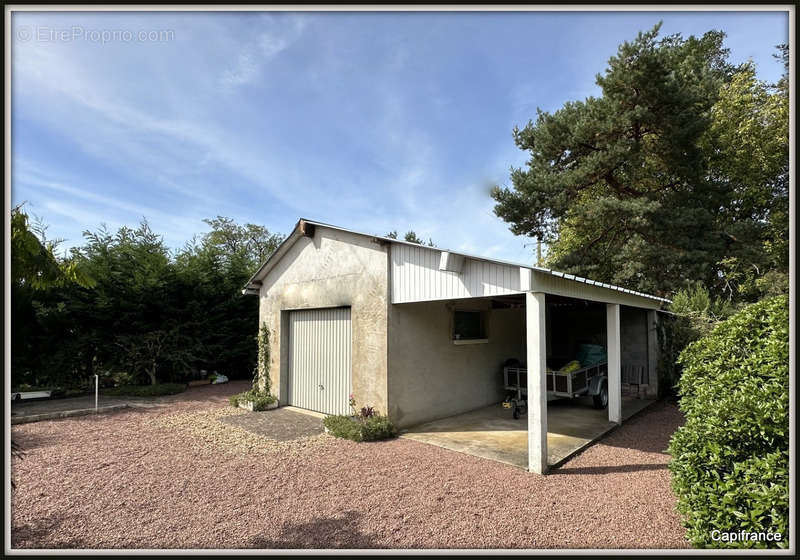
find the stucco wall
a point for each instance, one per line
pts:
(333, 269)
(431, 377)
(403, 358)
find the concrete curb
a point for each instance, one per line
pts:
(65, 414)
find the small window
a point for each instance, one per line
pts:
(469, 325)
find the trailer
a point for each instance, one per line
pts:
(590, 381)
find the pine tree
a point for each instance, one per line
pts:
(622, 186)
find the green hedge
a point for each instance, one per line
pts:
(730, 461)
(360, 429)
(145, 390)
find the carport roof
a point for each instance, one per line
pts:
(301, 228)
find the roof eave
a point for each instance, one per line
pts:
(253, 285)
(301, 228)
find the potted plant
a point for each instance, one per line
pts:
(255, 400)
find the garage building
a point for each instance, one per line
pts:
(423, 333)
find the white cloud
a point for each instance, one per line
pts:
(75, 215)
(257, 53)
(186, 146)
(94, 208)
(130, 137)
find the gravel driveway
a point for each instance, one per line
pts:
(177, 477)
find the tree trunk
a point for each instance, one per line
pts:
(152, 373)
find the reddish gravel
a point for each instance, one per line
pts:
(126, 480)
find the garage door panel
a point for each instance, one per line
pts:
(320, 359)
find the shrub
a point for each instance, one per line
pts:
(377, 427)
(146, 390)
(260, 399)
(24, 387)
(343, 427)
(730, 460)
(369, 428)
(693, 314)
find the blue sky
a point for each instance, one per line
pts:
(370, 121)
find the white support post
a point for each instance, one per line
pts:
(537, 383)
(614, 344)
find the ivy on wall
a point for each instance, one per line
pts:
(262, 372)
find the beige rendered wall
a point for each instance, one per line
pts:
(431, 377)
(333, 269)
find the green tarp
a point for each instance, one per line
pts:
(591, 354)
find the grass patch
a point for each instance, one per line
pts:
(146, 390)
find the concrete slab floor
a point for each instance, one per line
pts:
(492, 433)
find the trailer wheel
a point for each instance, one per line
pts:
(601, 398)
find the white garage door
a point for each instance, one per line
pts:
(319, 360)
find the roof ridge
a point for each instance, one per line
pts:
(297, 232)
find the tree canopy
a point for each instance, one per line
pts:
(34, 263)
(149, 314)
(647, 186)
(411, 237)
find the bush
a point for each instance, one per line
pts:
(730, 461)
(343, 427)
(260, 399)
(377, 427)
(693, 314)
(146, 390)
(371, 428)
(25, 387)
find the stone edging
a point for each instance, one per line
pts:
(65, 413)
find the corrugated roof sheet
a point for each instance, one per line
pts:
(296, 234)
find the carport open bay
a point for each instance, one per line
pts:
(492, 433)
